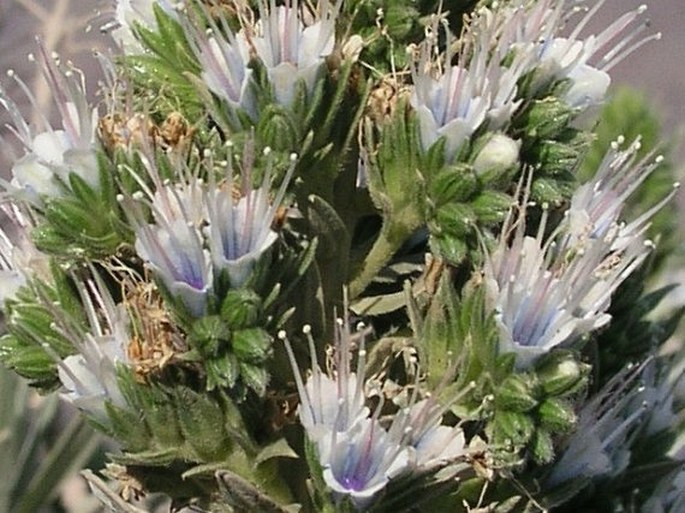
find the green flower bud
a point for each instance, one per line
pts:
(278, 130)
(556, 415)
(456, 183)
(209, 334)
(542, 447)
(515, 394)
(252, 345)
(562, 374)
(545, 119)
(498, 155)
(241, 308)
(222, 372)
(455, 219)
(513, 426)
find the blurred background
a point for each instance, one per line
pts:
(29, 426)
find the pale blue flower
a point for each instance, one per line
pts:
(358, 456)
(292, 47)
(173, 245)
(453, 101)
(130, 12)
(583, 60)
(89, 377)
(549, 292)
(607, 424)
(20, 259)
(239, 232)
(360, 462)
(224, 58)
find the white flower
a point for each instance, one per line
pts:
(224, 59)
(448, 105)
(291, 49)
(90, 376)
(597, 205)
(173, 245)
(548, 293)
(480, 88)
(583, 60)
(359, 463)
(52, 155)
(600, 445)
(20, 260)
(419, 426)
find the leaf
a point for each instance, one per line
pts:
(243, 495)
(278, 449)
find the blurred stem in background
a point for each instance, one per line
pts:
(39, 447)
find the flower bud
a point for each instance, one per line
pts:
(515, 395)
(562, 374)
(557, 416)
(499, 154)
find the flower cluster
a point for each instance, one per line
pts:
(358, 456)
(478, 333)
(551, 290)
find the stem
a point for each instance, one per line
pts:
(386, 245)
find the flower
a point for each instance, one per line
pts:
(480, 89)
(20, 260)
(449, 105)
(240, 232)
(291, 50)
(52, 155)
(548, 293)
(224, 60)
(358, 456)
(583, 61)
(173, 245)
(600, 445)
(89, 377)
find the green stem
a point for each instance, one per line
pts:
(387, 244)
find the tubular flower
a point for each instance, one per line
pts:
(173, 245)
(90, 376)
(600, 446)
(482, 88)
(291, 49)
(240, 232)
(358, 456)
(52, 155)
(549, 293)
(224, 59)
(583, 60)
